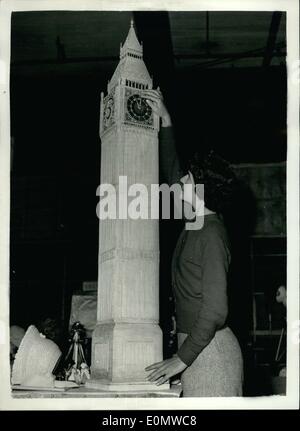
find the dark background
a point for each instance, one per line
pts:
(224, 79)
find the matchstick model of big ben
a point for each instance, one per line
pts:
(127, 337)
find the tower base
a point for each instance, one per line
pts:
(120, 354)
(126, 387)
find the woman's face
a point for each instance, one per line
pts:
(188, 189)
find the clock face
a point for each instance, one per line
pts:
(108, 110)
(138, 108)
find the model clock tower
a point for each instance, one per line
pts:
(127, 337)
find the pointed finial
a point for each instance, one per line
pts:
(131, 43)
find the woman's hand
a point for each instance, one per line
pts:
(155, 100)
(164, 370)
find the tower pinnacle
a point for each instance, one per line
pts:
(131, 44)
(131, 65)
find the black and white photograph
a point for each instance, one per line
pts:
(149, 205)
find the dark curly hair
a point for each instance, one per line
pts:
(218, 178)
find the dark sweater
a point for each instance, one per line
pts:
(199, 269)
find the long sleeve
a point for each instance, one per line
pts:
(169, 161)
(213, 266)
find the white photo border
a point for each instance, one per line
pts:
(291, 400)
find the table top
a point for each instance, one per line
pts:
(83, 392)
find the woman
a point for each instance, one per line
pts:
(209, 356)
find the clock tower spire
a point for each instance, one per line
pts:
(131, 65)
